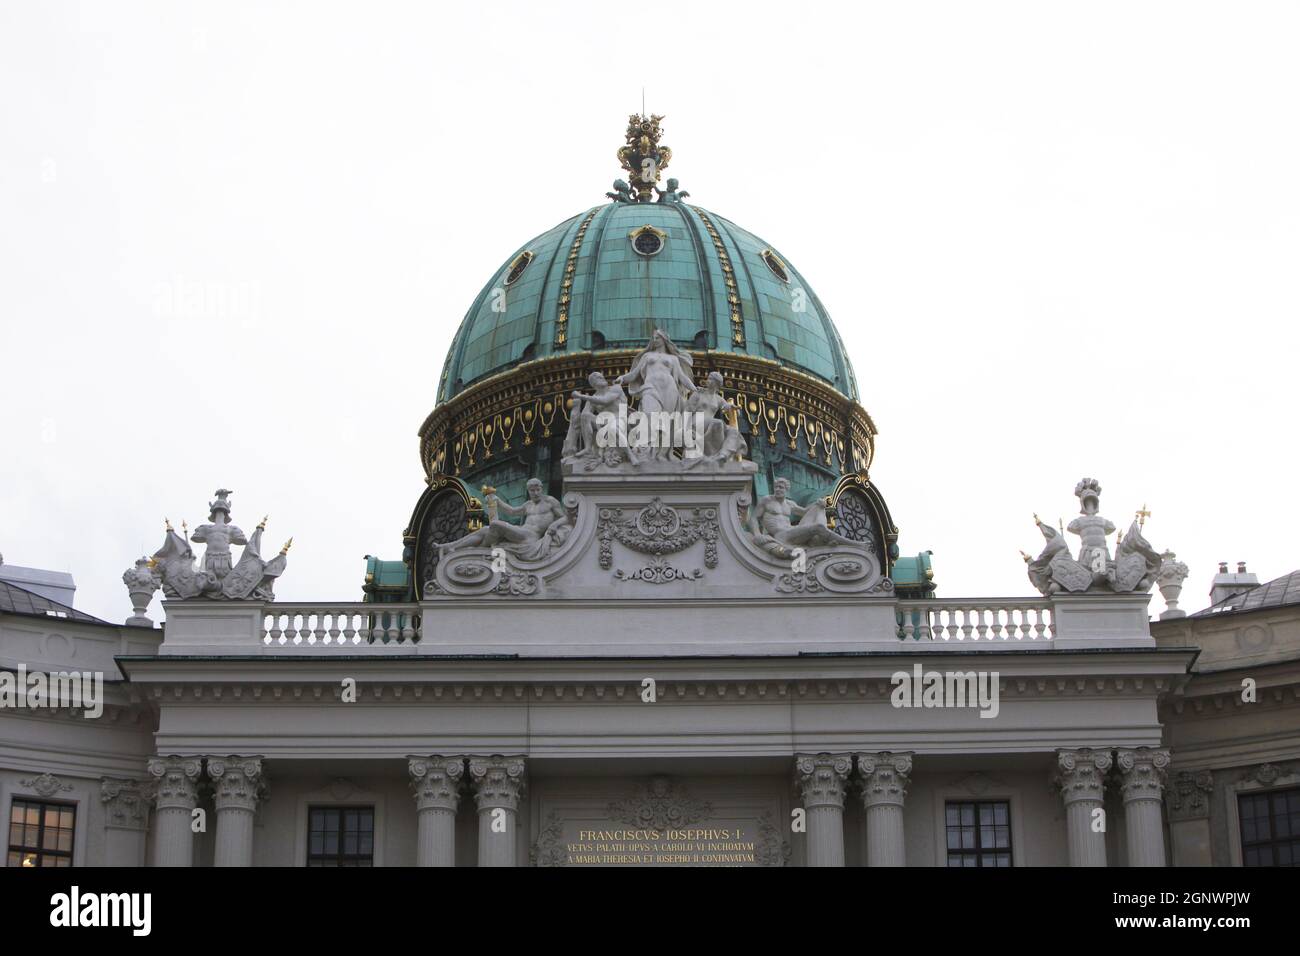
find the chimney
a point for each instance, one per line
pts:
(1227, 584)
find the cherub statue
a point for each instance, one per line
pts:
(622, 192)
(671, 194)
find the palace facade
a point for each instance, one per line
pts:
(693, 646)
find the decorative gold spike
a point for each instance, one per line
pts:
(1026, 557)
(261, 525)
(168, 523)
(1142, 515)
(287, 545)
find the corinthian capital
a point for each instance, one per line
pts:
(885, 777)
(436, 782)
(239, 782)
(1142, 773)
(498, 781)
(822, 779)
(1081, 774)
(126, 802)
(174, 782)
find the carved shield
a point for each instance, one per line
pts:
(1070, 574)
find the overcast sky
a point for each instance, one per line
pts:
(236, 240)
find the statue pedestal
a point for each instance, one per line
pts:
(1101, 620)
(659, 564)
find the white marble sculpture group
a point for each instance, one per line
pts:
(652, 504)
(1134, 567)
(679, 426)
(218, 576)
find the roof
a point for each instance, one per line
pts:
(1279, 592)
(16, 600)
(582, 285)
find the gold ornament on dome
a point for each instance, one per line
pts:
(643, 157)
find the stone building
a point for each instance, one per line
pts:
(650, 608)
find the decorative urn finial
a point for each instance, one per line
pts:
(141, 581)
(1170, 579)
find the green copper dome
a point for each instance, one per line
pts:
(606, 278)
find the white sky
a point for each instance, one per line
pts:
(236, 239)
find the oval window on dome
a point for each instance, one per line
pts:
(776, 265)
(648, 241)
(518, 266)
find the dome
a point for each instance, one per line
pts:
(606, 278)
(586, 297)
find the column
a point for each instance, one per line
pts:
(436, 782)
(126, 817)
(175, 785)
(885, 777)
(1080, 776)
(822, 780)
(1187, 800)
(239, 783)
(1142, 781)
(498, 783)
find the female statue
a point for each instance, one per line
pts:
(661, 378)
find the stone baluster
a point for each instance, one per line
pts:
(239, 784)
(498, 784)
(126, 820)
(885, 777)
(822, 780)
(1142, 784)
(436, 782)
(175, 787)
(1081, 777)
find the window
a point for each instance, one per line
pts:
(775, 264)
(40, 833)
(647, 240)
(517, 267)
(341, 836)
(979, 833)
(1270, 828)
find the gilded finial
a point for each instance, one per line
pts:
(1142, 515)
(167, 522)
(287, 545)
(261, 525)
(643, 157)
(1025, 556)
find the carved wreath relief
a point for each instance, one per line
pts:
(658, 529)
